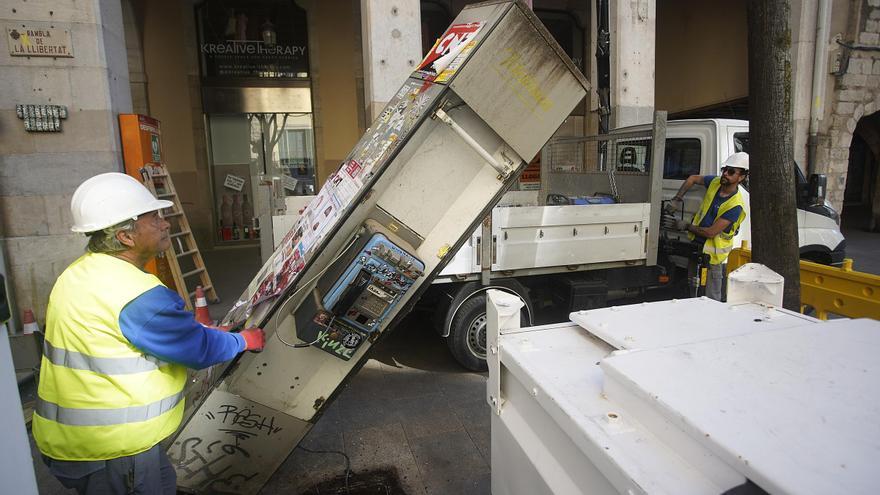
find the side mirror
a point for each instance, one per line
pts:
(818, 186)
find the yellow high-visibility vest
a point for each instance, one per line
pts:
(99, 397)
(721, 245)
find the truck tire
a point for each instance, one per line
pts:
(467, 334)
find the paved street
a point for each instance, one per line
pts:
(864, 249)
(412, 421)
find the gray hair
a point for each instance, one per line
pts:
(105, 241)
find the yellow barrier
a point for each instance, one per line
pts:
(828, 289)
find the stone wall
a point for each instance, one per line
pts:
(856, 94)
(40, 171)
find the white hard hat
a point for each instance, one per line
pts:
(737, 160)
(108, 199)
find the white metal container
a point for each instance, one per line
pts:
(690, 396)
(756, 283)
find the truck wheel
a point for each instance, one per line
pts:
(467, 335)
(467, 332)
(817, 257)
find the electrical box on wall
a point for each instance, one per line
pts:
(443, 151)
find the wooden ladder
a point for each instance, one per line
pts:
(183, 244)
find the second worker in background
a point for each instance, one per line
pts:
(718, 218)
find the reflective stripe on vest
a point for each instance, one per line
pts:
(103, 365)
(104, 417)
(710, 249)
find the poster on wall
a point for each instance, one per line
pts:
(530, 178)
(233, 182)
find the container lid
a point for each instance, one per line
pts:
(667, 323)
(795, 409)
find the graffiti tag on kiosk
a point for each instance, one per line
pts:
(230, 414)
(212, 463)
(515, 67)
(333, 345)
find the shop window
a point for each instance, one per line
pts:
(258, 160)
(252, 39)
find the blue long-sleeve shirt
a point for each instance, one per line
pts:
(157, 323)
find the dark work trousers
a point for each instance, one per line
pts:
(147, 473)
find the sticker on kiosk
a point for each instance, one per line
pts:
(449, 51)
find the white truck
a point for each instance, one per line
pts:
(697, 147)
(580, 255)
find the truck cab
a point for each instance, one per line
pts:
(699, 146)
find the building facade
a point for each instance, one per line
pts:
(259, 101)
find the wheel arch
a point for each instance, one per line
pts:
(471, 289)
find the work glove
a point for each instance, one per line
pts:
(673, 206)
(254, 339)
(672, 223)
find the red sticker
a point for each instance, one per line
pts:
(448, 45)
(353, 168)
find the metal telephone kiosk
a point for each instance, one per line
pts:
(493, 89)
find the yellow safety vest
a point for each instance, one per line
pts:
(99, 397)
(719, 247)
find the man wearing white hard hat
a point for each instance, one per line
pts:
(117, 346)
(717, 220)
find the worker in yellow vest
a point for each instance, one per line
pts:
(717, 220)
(117, 346)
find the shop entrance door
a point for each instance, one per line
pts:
(258, 161)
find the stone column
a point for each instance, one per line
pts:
(633, 41)
(856, 94)
(391, 31)
(40, 170)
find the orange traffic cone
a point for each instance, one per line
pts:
(203, 316)
(29, 322)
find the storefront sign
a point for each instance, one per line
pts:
(234, 182)
(252, 48)
(30, 41)
(243, 39)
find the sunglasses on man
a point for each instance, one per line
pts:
(732, 171)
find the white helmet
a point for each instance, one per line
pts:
(108, 199)
(737, 160)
